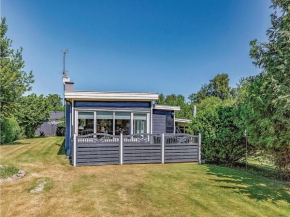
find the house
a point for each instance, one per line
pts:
(100, 120)
(49, 127)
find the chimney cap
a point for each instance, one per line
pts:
(69, 82)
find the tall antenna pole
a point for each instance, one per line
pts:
(64, 75)
(64, 52)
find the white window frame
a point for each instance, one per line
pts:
(148, 117)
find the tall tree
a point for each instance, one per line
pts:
(14, 81)
(177, 100)
(55, 102)
(32, 112)
(217, 87)
(265, 98)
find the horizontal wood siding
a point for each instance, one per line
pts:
(98, 154)
(141, 153)
(159, 123)
(181, 153)
(98, 149)
(104, 149)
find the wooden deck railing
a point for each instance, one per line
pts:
(103, 149)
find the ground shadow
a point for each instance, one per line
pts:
(16, 143)
(61, 150)
(257, 188)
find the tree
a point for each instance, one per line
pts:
(177, 100)
(217, 87)
(161, 99)
(14, 80)
(223, 140)
(55, 102)
(200, 95)
(32, 112)
(265, 99)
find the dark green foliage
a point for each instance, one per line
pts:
(33, 111)
(55, 102)
(217, 87)
(177, 100)
(265, 99)
(60, 130)
(14, 81)
(223, 140)
(9, 130)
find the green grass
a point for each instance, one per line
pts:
(8, 170)
(48, 183)
(133, 190)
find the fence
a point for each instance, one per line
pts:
(105, 149)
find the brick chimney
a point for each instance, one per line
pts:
(68, 85)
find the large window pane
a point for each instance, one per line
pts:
(85, 123)
(105, 122)
(122, 123)
(140, 123)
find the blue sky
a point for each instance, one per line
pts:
(155, 46)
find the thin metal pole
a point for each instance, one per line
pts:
(246, 152)
(199, 148)
(121, 147)
(162, 148)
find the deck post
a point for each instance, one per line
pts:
(199, 148)
(75, 150)
(162, 147)
(121, 147)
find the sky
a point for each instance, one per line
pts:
(161, 46)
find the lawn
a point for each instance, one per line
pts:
(132, 190)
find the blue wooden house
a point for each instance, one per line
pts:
(124, 127)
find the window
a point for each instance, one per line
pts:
(140, 123)
(85, 123)
(122, 123)
(105, 122)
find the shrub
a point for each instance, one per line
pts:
(60, 130)
(8, 170)
(223, 140)
(9, 130)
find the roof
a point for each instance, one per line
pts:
(179, 120)
(166, 107)
(110, 96)
(56, 115)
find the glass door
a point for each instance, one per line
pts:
(140, 123)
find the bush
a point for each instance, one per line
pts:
(9, 130)
(60, 131)
(223, 140)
